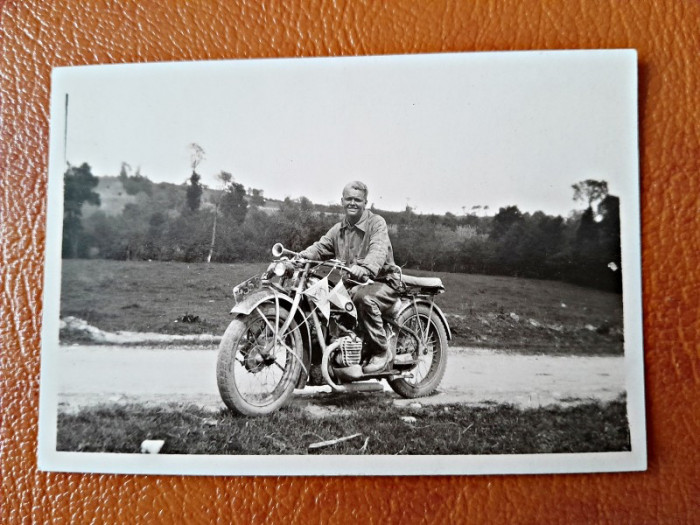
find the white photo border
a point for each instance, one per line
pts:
(49, 459)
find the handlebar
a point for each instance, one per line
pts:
(340, 265)
(278, 250)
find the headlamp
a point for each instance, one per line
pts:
(280, 269)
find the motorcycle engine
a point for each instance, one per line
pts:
(349, 352)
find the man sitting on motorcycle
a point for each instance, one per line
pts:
(361, 241)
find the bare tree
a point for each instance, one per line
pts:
(196, 156)
(590, 191)
(225, 178)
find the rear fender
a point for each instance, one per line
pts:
(406, 304)
(267, 296)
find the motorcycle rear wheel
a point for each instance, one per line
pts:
(432, 362)
(255, 373)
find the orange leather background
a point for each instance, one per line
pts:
(37, 35)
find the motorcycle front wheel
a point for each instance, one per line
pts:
(429, 354)
(257, 370)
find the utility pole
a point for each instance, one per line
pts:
(65, 134)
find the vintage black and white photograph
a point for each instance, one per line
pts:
(418, 264)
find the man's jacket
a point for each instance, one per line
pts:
(365, 243)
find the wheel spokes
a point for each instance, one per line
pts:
(261, 365)
(279, 339)
(424, 328)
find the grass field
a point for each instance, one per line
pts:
(486, 311)
(454, 429)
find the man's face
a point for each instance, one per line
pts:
(354, 204)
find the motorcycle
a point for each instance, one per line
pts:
(296, 325)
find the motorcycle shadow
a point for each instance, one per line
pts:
(324, 403)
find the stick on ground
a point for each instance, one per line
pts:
(322, 444)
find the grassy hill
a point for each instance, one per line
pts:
(114, 197)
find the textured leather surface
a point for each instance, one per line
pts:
(37, 35)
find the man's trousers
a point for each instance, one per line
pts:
(371, 301)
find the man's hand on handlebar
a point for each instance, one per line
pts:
(359, 273)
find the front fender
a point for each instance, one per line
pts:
(407, 304)
(252, 301)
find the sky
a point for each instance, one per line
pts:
(438, 132)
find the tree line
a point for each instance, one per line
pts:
(193, 223)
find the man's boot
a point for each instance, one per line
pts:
(377, 363)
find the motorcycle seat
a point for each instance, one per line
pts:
(426, 283)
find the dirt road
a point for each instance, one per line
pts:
(89, 375)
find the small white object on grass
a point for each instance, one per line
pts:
(151, 446)
(408, 419)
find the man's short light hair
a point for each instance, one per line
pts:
(356, 185)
